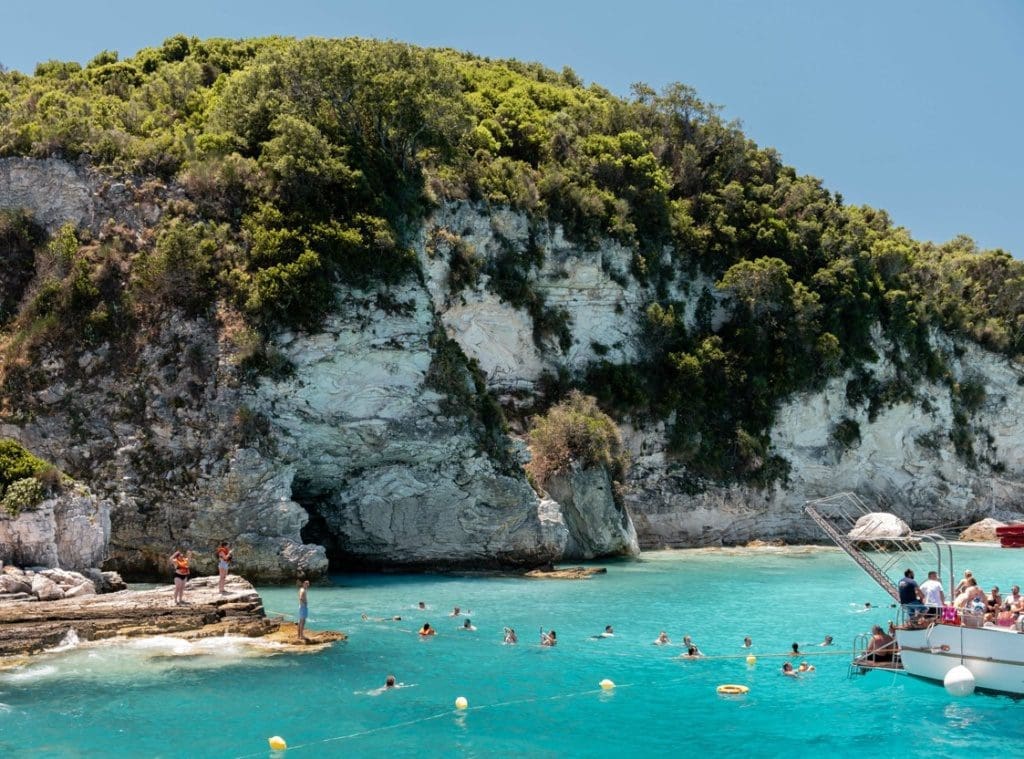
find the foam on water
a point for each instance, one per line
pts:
(525, 699)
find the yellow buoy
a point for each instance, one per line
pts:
(751, 660)
(461, 702)
(606, 684)
(277, 743)
(732, 690)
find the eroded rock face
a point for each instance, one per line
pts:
(396, 478)
(358, 453)
(70, 531)
(597, 525)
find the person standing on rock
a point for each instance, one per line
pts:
(303, 608)
(223, 562)
(180, 562)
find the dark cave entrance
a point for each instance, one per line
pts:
(319, 505)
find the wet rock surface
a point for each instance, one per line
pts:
(29, 625)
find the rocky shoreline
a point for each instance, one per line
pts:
(29, 625)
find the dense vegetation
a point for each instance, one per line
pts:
(575, 431)
(305, 163)
(23, 478)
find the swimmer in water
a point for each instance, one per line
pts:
(427, 630)
(805, 667)
(390, 682)
(692, 652)
(788, 671)
(510, 637)
(455, 612)
(548, 639)
(827, 641)
(747, 642)
(662, 639)
(608, 633)
(422, 605)
(688, 642)
(469, 626)
(796, 649)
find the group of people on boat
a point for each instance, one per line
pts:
(969, 604)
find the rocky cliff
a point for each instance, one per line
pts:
(371, 447)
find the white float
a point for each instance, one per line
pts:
(959, 681)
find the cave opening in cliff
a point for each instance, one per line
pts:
(318, 504)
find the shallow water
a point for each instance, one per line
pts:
(163, 697)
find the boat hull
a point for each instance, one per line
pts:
(994, 656)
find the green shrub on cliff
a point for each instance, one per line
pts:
(21, 495)
(574, 431)
(16, 463)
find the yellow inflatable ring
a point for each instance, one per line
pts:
(732, 690)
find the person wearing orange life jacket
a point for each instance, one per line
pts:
(223, 562)
(180, 562)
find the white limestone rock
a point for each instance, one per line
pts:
(878, 525)
(46, 589)
(597, 525)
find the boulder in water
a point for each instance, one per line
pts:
(882, 531)
(983, 531)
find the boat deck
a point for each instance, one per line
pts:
(866, 665)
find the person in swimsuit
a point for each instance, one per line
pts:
(427, 630)
(510, 637)
(882, 645)
(662, 639)
(788, 671)
(548, 639)
(303, 608)
(223, 562)
(180, 562)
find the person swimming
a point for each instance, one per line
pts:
(548, 639)
(510, 637)
(788, 671)
(827, 641)
(692, 652)
(747, 642)
(805, 667)
(455, 612)
(688, 642)
(796, 649)
(468, 626)
(427, 630)
(608, 633)
(662, 639)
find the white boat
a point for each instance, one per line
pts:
(938, 648)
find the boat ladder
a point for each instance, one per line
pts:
(863, 560)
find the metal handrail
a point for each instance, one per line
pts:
(862, 559)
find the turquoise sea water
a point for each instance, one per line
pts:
(162, 698)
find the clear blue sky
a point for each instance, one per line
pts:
(915, 106)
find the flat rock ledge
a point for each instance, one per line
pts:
(566, 573)
(29, 627)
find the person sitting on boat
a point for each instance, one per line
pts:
(911, 597)
(1015, 599)
(1005, 617)
(934, 598)
(994, 600)
(881, 647)
(972, 601)
(963, 584)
